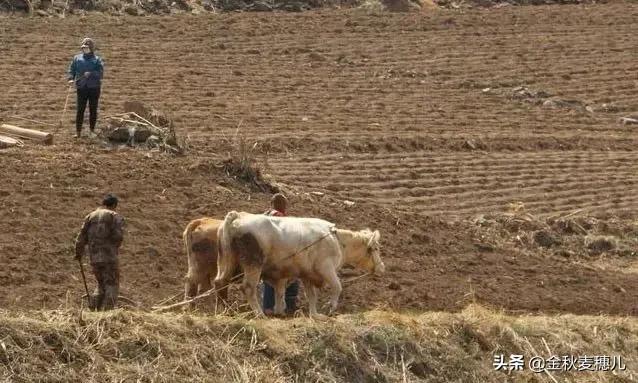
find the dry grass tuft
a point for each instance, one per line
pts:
(242, 162)
(67, 346)
(601, 243)
(378, 6)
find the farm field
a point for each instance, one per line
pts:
(486, 145)
(432, 123)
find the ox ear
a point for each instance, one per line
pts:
(374, 238)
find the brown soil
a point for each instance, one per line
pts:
(386, 111)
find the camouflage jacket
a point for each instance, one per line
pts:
(103, 232)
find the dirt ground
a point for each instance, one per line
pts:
(416, 118)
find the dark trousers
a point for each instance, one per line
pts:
(92, 96)
(107, 275)
(292, 291)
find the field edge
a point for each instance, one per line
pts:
(65, 345)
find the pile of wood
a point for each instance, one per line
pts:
(142, 126)
(11, 135)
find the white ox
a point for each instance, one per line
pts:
(281, 248)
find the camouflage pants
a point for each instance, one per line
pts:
(107, 275)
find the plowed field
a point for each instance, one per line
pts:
(413, 117)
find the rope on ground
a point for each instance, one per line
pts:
(36, 121)
(349, 281)
(158, 308)
(205, 294)
(168, 299)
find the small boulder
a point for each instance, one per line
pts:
(600, 244)
(132, 10)
(260, 6)
(609, 108)
(485, 247)
(294, 7)
(394, 286)
(152, 252)
(314, 56)
(120, 134)
(550, 104)
(544, 238)
(142, 134)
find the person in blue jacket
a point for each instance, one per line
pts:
(86, 71)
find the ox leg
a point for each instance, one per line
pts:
(221, 286)
(190, 290)
(204, 286)
(280, 297)
(311, 295)
(332, 280)
(251, 280)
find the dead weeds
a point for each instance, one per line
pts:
(69, 346)
(575, 233)
(242, 162)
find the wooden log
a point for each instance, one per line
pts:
(629, 121)
(46, 138)
(7, 142)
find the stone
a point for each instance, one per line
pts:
(544, 238)
(132, 10)
(260, 6)
(394, 286)
(120, 134)
(600, 244)
(142, 134)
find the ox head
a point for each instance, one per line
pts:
(374, 253)
(368, 252)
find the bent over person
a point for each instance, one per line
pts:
(103, 232)
(86, 71)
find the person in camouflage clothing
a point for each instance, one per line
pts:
(103, 232)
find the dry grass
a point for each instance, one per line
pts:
(242, 162)
(566, 234)
(65, 346)
(378, 6)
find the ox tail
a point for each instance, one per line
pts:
(188, 241)
(226, 259)
(228, 231)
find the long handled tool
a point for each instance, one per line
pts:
(88, 296)
(66, 103)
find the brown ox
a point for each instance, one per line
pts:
(281, 248)
(200, 242)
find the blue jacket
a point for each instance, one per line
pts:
(86, 63)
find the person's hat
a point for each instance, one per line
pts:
(88, 43)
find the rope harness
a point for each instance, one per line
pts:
(210, 292)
